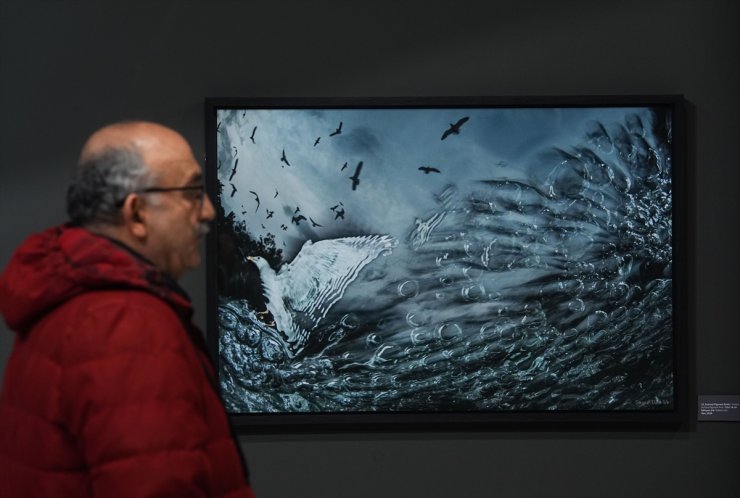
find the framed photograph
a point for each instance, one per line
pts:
(453, 262)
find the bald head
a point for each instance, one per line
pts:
(117, 160)
(154, 142)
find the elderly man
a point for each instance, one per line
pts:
(109, 391)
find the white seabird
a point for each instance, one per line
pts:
(301, 294)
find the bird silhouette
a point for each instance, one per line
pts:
(269, 214)
(284, 159)
(339, 213)
(236, 151)
(300, 295)
(256, 198)
(233, 191)
(454, 129)
(313, 223)
(218, 128)
(284, 226)
(428, 169)
(233, 171)
(297, 219)
(344, 167)
(356, 177)
(316, 142)
(338, 131)
(334, 207)
(252, 136)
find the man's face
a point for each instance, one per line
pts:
(177, 220)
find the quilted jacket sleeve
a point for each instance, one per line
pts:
(133, 396)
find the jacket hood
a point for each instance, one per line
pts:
(53, 266)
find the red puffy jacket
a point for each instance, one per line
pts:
(108, 391)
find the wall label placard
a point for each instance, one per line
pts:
(719, 408)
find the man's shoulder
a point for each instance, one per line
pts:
(107, 322)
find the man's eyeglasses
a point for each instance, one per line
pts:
(194, 193)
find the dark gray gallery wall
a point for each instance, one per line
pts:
(70, 66)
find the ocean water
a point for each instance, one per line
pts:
(552, 292)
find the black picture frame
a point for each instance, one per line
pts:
(524, 267)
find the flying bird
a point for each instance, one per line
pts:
(338, 131)
(333, 208)
(256, 198)
(297, 219)
(356, 177)
(302, 292)
(276, 194)
(313, 223)
(454, 129)
(339, 213)
(233, 171)
(284, 159)
(218, 128)
(233, 191)
(252, 136)
(284, 226)
(236, 151)
(343, 167)
(316, 142)
(269, 214)
(428, 169)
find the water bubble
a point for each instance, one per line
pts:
(488, 331)
(416, 319)
(473, 292)
(619, 314)
(373, 340)
(570, 333)
(337, 336)
(449, 331)
(494, 296)
(421, 336)
(350, 321)
(472, 273)
(446, 280)
(573, 287)
(384, 354)
(598, 317)
(409, 288)
(576, 305)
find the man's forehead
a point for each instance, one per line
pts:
(180, 169)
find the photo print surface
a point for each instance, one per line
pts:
(444, 260)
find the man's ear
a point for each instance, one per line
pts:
(134, 216)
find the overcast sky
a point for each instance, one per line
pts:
(392, 144)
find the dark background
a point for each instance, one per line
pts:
(68, 67)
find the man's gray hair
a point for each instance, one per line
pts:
(101, 183)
